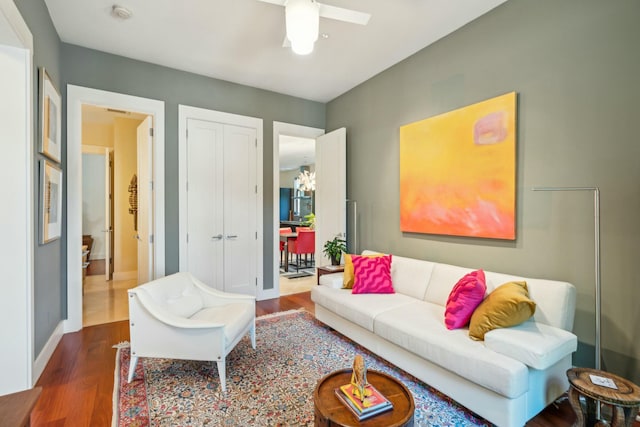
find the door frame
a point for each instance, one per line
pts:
(289, 129)
(186, 112)
(19, 368)
(76, 97)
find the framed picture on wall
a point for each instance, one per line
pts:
(50, 201)
(50, 117)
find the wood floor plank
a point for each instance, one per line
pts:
(77, 383)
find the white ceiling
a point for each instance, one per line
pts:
(296, 152)
(241, 40)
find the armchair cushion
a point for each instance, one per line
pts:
(234, 316)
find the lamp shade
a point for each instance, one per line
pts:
(302, 20)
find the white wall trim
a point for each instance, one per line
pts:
(19, 35)
(17, 225)
(186, 112)
(47, 351)
(76, 97)
(281, 128)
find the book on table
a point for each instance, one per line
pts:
(373, 404)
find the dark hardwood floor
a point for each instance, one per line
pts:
(77, 384)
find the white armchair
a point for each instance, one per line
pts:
(179, 317)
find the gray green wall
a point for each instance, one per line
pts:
(575, 65)
(69, 64)
(50, 259)
(99, 70)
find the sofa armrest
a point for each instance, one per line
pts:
(332, 280)
(535, 344)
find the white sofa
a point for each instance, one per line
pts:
(507, 379)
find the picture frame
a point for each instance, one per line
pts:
(50, 117)
(50, 223)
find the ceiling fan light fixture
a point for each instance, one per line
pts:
(303, 20)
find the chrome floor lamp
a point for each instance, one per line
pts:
(596, 216)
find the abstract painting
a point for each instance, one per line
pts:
(458, 171)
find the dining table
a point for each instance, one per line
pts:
(285, 237)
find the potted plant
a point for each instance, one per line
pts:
(333, 249)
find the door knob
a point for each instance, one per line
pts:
(218, 237)
(232, 236)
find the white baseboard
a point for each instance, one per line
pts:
(264, 294)
(48, 349)
(125, 275)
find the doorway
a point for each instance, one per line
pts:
(297, 156)
(111, 203)
(77, 97)
(302, 133)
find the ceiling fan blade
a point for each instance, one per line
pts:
(278, 2)
(340, 14)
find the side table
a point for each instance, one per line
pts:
(15, 408)
(625, 400)
(328, 269)
(330, 412)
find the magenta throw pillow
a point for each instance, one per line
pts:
(465, 296)
(372, 275)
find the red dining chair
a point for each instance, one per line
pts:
(284, 230)
(305, 244)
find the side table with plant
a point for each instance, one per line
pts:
(333, 249)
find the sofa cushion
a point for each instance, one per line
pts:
(507, 305)
(360, 309)
(348, 274)
(372, 275)
(418, 328)
(465, 296)
(534, 344)
(411, 276)
(442, 281)
(555, 300)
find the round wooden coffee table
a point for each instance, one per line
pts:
(625, 400)
(329, 411)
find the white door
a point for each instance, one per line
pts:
(145, 199)
(108, 223)
(331, 189)
(205, 226)
(240, 193)
(221, 225)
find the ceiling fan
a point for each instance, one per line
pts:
(302, 20)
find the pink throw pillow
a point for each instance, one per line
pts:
(372, 275)
(465, 296)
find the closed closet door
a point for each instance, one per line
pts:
(240, 209)
(221, 205)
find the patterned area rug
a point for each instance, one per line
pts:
(270, 386)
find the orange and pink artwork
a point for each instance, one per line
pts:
(458, 171)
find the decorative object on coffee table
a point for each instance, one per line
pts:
(329, 411)
(598, 386)
(359, 376)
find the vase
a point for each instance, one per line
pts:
(335, 260)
